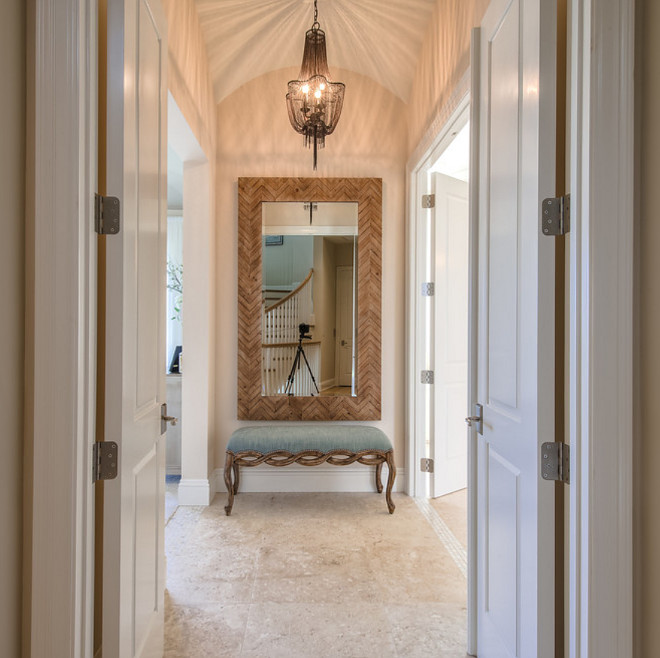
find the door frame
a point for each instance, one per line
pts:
(60, 400)
(419, 183)
(60, 327)
(419, 180)
(601, 317)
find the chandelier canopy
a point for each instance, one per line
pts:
(314, 102)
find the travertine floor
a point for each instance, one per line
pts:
(311, 575)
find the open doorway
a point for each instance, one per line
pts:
(439, 339)
(174, 328)
(189, 263)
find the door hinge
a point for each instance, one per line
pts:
(556, 215)
(105, 457)
(106, 214)
(426, 465)
(428, 200)
(428, 289)
(426, 377)
(556, 462)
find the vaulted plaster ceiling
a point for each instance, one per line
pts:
(380, 39)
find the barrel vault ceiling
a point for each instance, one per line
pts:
(380, 39)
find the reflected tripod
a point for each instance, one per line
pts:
(288, 389)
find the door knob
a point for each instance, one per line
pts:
(478, 419)
(164, 418)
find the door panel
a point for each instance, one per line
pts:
(133, 577)
(344, 314)
(450, 336)
(515, 521)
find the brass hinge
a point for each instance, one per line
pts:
(556, 215)
(428, 200)
(105, 459)
(426, 465)
(428, 289)
(556, 462)
(106, 214)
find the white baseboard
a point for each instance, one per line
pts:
(195, 492)
(355, 478)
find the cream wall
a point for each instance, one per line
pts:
(256, 139)
(188, 74)
(190, 85)
(647, 503)
(444, 59)
(12, 275)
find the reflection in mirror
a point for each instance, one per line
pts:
(309, 263)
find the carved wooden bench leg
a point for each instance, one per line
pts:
(390, 481)
(229, 468)
(237, 477)
(379, 482)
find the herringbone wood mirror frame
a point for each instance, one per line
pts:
(367, 192)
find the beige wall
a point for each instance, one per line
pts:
(444, 59)
(256, 139)
(647, 504)
(188, 75)
(190, 85)
(12, 275)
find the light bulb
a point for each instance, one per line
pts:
(322, 86)
(305, 89)
(317, 94)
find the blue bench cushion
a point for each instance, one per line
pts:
(295, 438)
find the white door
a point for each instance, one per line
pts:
(451, 223)
(133, 549)
(515, 572)
(344, 338)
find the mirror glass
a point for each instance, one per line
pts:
(309, 268)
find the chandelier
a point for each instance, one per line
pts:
(313, 101)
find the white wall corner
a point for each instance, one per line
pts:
(196, 492)
(355, 478)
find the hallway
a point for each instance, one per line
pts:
(322, 575)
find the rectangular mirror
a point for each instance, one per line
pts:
(309, 266)
(308, 238)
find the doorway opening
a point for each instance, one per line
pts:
(188, 460)
(439, 253)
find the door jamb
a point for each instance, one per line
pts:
(418, 180)
(419, 183)
(601, 345)
(61, 328)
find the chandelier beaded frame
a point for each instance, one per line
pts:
(313, 101)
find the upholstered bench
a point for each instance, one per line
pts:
(309, 445)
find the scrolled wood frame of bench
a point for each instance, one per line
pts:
(309, 458)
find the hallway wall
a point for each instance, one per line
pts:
(444, 59)
(255, 138)
(12, 275)
(190, 84)
(647, 482)
(188, 75)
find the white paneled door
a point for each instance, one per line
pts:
(133, 548)
(451, 219)
(515, 519)
(344, 322)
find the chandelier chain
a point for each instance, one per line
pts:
(316, 14)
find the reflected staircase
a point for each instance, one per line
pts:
(280, 332)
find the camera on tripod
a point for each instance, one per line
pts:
(303, 328)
